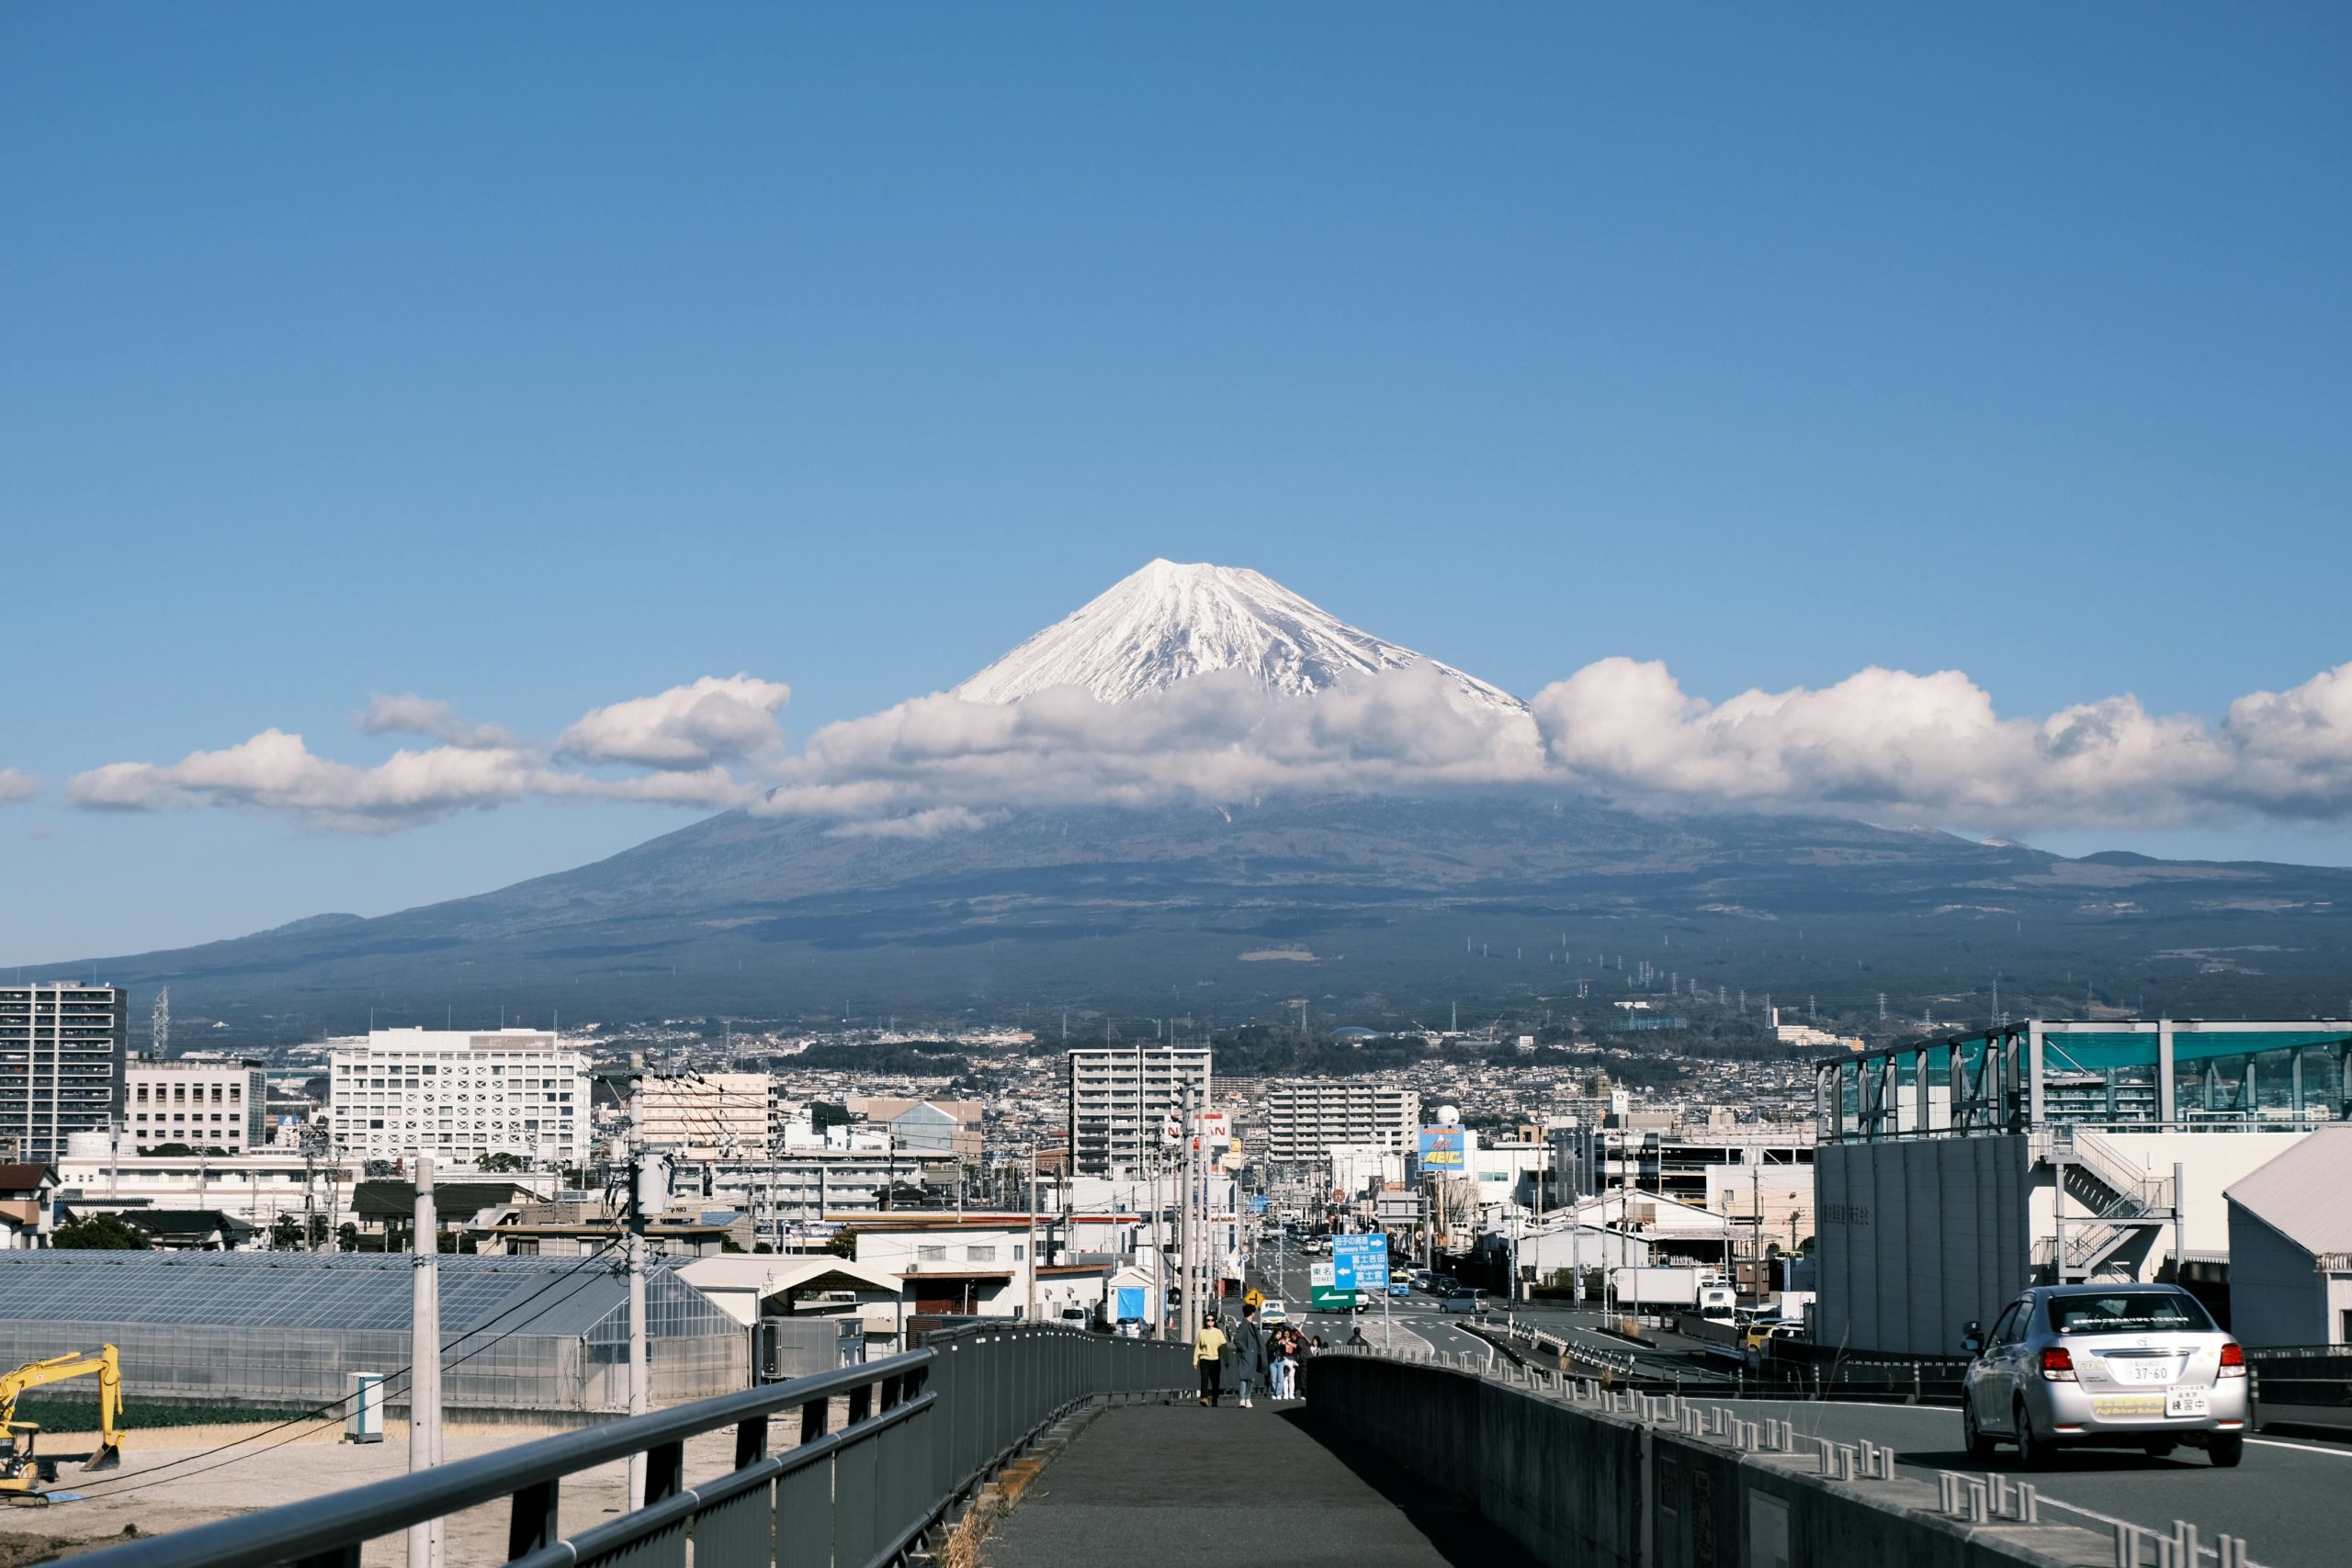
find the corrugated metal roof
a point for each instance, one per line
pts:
(2302, 1194)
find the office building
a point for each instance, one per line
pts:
(1953, 1173)
(1121, 1097)
(1307, 1120)
(62, 1049)
(460, 1095)
(206, 1105)
(703, 1115)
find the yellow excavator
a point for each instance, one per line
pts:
(22, 1476)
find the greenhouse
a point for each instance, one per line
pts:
(277, 1329)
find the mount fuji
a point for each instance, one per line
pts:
(1383, 906)
(1169, 622)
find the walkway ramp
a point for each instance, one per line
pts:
(1147, 1485)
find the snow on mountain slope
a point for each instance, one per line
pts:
(1169, 622)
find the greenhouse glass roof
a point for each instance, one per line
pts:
(567, 1296)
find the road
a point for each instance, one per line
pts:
(2291, 1501)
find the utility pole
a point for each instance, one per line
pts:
(641, 1371)
(1032, 1233)
(425, 1362)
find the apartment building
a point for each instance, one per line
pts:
(1120, 1097)
(460, 1095)
(704, 1116)
(204, 1105)
(61, 1048)
(1307, 1120)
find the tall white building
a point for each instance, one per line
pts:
(1307, 1120)
(205, 1105)
(458, 1095)
(704, 1116)
(1120, 1095)
(60, 1065)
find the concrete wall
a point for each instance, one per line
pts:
(2214, 1161)
(1916, 1237)
(1574, 1486)
(2276, 1296)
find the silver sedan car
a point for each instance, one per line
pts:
(2112, 1365)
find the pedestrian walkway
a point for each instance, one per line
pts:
(1146, 1485)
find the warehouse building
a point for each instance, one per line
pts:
(2290, 1246)
(279, 1329)
(1953, 1173)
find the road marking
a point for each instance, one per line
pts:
(2299, 1448)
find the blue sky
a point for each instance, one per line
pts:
(534, 358)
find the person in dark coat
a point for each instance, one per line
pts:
(1248, 1347)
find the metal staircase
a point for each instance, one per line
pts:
(2127, 1209)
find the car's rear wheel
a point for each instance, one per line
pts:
(1979, 1446)
(2225, 1449)
(2034, 1452)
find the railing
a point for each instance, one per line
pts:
(919, 1432)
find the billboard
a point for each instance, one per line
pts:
(1442, 1149)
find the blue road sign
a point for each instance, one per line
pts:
(1361, 1262)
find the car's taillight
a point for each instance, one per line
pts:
(2058, 1364)
(2232, 1360)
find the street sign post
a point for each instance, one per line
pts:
(1360, 1263)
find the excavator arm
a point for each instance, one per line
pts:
(106, 1365)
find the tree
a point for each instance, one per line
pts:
(100, 1233)
(504, 1164)
(843, 1243)
(285, 1234)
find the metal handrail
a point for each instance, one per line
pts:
(884, 1396)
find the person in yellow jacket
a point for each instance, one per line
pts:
(1208, 1354)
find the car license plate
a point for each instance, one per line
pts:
(2143, 1370)
(2186, 1402)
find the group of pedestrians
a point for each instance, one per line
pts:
(1259, 1357)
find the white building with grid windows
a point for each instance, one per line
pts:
(205, 1105)
(460, 1095)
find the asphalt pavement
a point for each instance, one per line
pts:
(2290, 1500)
(1144, 1486)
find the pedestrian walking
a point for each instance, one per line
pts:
(1285, 1344)
(1208, 1349)
(1249, 1356)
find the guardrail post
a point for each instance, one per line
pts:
(751, 1441)
(665, 1471)
(532, 1524)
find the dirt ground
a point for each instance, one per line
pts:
(165, 1485)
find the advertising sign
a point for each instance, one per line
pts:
(1442, 1149)
(1361, 1262)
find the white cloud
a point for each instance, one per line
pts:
(412, 715)
(686, 727)
(275, 771)
(1883, 743)
(16, 785)
(1215, 737)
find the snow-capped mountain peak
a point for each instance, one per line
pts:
(1169, 621)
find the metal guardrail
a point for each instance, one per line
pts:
(921, 1431)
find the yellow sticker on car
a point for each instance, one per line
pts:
(2110, 1406)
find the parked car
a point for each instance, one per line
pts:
(2108, 1365)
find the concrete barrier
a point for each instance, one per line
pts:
(1614, 1480)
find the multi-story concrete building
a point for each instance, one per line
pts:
(704, 1116)
(1306, 1120)
(61, 1046)
(1120, 1097)
(205, 1105)
(460, 1095)
(1956, 1172)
